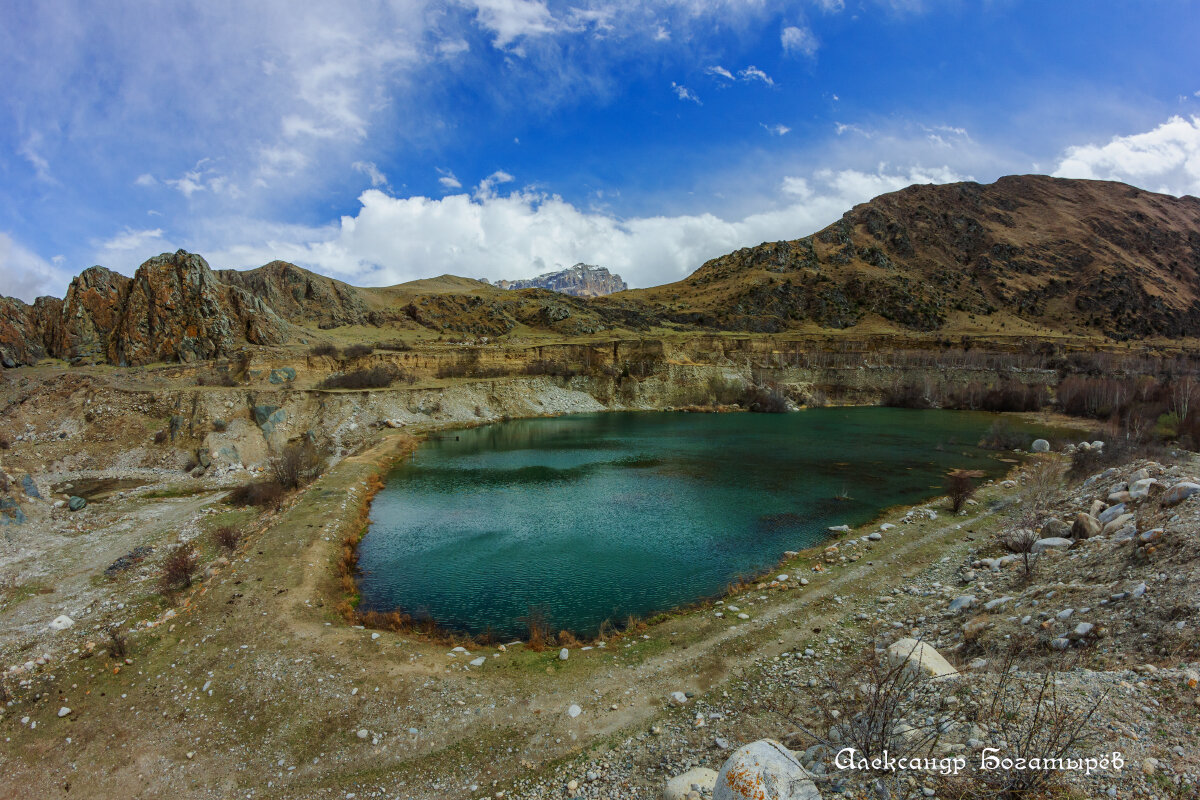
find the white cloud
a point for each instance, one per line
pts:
(448, 179)
(509, 20)
(753, 73)
(1165, 159)
(145, 179)
(448, 48)
(831, 6)
(798, 39)
(30, 151)
(26, 275)
(125, 251)
(775, 130)
(684, 93)
(720, 71)
(487, 186)
(372, 172)
(393, 239)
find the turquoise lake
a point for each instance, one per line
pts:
(599, 516)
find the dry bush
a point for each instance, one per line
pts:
(1042, 482)
(160, 437)
(960, 485)
(395, 346)
(1036, 720)
(765, 400)
(1020, 541)
(179, 567)
(537, 625)
(264, 494)
(567, 639)
(379, 377)
(873, 706)
(295, 465)
(118, 644)
(227, 538)
(358, 351)
(396, 621)
(325, 349)
(5, 442)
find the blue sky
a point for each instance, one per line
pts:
(387, 141)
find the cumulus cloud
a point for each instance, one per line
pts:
(395, 239)
(1165, 159)
(800, 40)
(26, 275)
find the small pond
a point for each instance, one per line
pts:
(599, 516)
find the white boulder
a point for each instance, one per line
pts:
(764, 770)
(699, 779)
(61, 623)
(920, 657)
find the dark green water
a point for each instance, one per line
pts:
(599, 516)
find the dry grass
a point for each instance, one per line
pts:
(179, 568)
(227, 538)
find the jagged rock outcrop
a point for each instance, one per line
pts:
(298, 295)
(88, 315)
(19, 342)
(581, 280)
(176, 309)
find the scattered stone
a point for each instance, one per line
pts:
(574, 711)
(62, 712)
(1055, 528)
(1109, 514)
(1053, 543)
(563, 654)
(920, 656)
(478, 662)
(76, 503)
(1040, 446)
(1085, 527)
(698, 779)
(678, 698)
(61, 623)
(962, 603)
(1179, 492)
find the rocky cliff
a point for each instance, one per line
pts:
(298, 295)
(173, 309)
(581, 280)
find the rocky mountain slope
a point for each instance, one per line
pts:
(1036, 255)
(1063, 255)
(581, 280)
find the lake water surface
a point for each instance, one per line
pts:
(598, 516)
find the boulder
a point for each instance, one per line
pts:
(920, 657)
(1112, 512)
(10, 512)
(1085, 527)
(30, 488)
(961, 603)
(1140, 489)
(61, 623)
(1179, 492)
(76, 503)
(1055, 527)
(1040, 446)
(1052, 543)
(764, 770)
(1116, 524)
(699, 779)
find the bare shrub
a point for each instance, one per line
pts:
(567, 639)
(394, 346)
(160, 437)
(357, 351)
(295, 465)
(1020, 541)
(1001, 436)
(378, 377)
(5, 442)
(227, 538)
(1036, 720)
(873, 705)
(179, 567)
(960, 485)
(118, 643)
(324, 349)
(1042, 482)
(537, 626)
(263, 494)
(765, 400)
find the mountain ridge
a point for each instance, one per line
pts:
(1059, 256)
